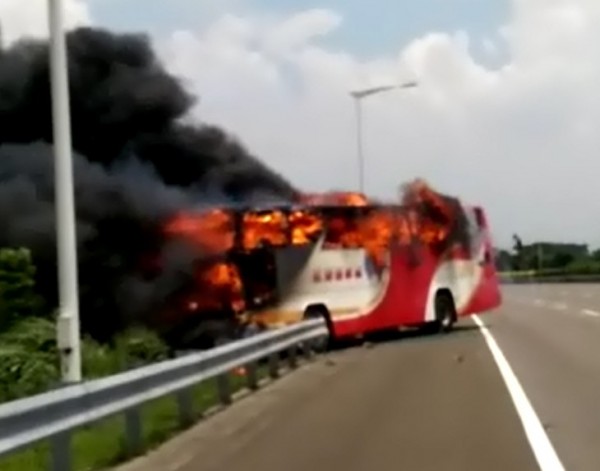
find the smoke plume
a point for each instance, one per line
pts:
(135, 165)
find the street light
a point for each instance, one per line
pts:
(358, 96)
(67, 329)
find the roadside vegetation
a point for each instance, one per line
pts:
(546, 260)
(29, 365)
(28, 354)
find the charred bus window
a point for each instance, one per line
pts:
(372, 228)
(263, 229)
(305, 226)
(353, 227)
(261, 234)
(279, 228)
(342, 226)
(258, 272)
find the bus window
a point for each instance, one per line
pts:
(342, 228)
(370, 228)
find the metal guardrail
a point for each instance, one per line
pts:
(55, 415)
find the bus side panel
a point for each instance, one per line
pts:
(346, 328)
(487, 295)
(405, 299)
(411, 288)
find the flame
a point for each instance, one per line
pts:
(213, 230)
(304, 227)
(377, 232)
(338, 198)
(424, 216)
(218, 286)
(431, 215)
(268, 227)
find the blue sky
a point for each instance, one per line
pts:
(366, 31)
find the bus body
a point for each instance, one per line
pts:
(415, 286)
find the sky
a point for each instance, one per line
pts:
(504, 116)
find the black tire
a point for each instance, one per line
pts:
(320, 312)
(445, 313)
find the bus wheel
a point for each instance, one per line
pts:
(319, 311)
(445, 313)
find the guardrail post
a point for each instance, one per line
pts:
(185, 405)
(274, 365)
(60, 452)
(307, 351)
(133, 431)
(252, 375)
(224, 389)
(293, 357)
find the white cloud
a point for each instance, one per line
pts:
(30, 17)
(520, 139)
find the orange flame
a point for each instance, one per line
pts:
(433, 213)
(219, 286)
(268, 227)
(304, 227)
(213, 230)
(338, 198)
(425, 216)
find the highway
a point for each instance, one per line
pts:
(424, 403)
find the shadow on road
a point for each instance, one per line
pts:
(418, 335)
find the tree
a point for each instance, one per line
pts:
(518, 261)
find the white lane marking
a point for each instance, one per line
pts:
(541, 445)
(560, 306)
(589, 312)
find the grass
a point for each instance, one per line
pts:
(103, 445)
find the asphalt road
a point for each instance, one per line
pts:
(550, 334)
(426, 403)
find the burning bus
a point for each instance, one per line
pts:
(365, 266)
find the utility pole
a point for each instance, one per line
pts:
(358, 96)
(68, 335)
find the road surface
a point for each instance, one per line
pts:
(422, 403)
(550, 334)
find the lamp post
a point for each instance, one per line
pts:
(68, 336)
(358, 96)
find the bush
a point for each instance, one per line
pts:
(35, 334)
(139, 346)
(132, 348)
(583, 267)
(18, 299)
(29, 360)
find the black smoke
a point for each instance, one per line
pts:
(135, 165)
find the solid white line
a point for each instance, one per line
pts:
(542, 448)
(589, 312)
